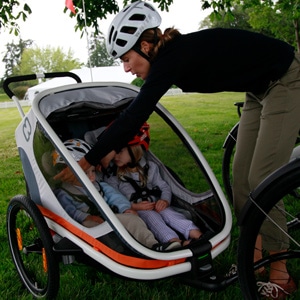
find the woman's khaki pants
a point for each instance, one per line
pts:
(268, 128)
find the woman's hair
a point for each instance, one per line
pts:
(138, 153)
(158, 39)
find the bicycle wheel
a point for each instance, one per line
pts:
(229, 150)
(280, 185)
(31, 247)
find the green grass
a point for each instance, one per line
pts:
(4, 98)
(207, 118)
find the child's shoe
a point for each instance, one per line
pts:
(166, 246)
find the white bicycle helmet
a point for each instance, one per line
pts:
(127, 27)
(78, 149)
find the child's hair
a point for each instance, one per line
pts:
(136, 148)
(137, 152)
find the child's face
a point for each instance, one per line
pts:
(91, 173)
(122, 158)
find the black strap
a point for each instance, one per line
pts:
(142, 193)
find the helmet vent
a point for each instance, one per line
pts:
(77, 149)
(115, 35)
(110, 33)
(121, 42)
(137, 17)
(128, 29)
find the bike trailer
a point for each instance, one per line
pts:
(41, 234)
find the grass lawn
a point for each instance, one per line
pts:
(4, 98)
(208, 119)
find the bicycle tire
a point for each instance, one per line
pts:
(31, 248)
(280, 185)
(229, 149)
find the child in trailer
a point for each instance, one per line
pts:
(140, 181)
(77, 204)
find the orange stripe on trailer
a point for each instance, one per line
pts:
(126, 260)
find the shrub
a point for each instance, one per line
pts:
(20, 91)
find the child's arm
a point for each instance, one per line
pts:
(114, 198)
(155, 180)
(69, 205)
(144, 205)
(161, 205)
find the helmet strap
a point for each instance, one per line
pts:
(133, 162)
(141, 53)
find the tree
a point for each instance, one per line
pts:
(13, 55)
(95, 10)
(137, 82)
(98, 54)
(42, 60)
(287, 11)
(98, 9)
(240, 20)
(280, 18)
(10, 13)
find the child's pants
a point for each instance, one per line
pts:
(165, 224)
(138, 229)
(135, 226)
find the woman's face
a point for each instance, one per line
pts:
(122, 158)
(136, 64)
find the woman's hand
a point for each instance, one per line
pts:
(144, 205)
(107, 159)
(161, 205)
(67, 175)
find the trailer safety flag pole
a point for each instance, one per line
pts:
(69, 4)
(87, 40)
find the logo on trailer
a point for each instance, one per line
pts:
(26, 129)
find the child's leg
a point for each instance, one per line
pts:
(158, 227)
(180, 223)
(138, 229)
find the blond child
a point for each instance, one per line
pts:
(140, 181)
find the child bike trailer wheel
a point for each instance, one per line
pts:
(31, 247)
